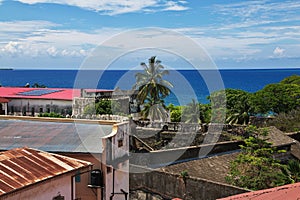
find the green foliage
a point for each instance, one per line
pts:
(287, 122)
(255, 168)
(205, 113)
(293, 168)
(236, 102)
(51, 114)
(276, 98)
(294, 79)
(104, 106)
(218, 106)
(184, 174)
(175, 112)
(89, 110)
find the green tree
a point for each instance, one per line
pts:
(238, 106)
(255, 168)
(293, 168)
(152, 88)
(103, 106)
(236, 102)
(205, 113)
(175, 112)
(287, 122)
(218, 106)
(276, 98)
(294, 79)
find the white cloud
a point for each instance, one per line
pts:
(258, 12)
(11, 47)
(37, 38)
(52, 51)
(279, 52)
(174, 6)
(114, 7)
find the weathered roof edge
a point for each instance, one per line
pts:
(88, 164)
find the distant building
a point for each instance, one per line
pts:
(32, 101)
(25, 101)
(32, 174)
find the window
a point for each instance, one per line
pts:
(120, 142)
(77, 177)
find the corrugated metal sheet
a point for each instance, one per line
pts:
(25, 166)
(52, 136)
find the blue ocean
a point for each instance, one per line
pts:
(187, 84)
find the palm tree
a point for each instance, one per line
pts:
(191, 112)
(155, 110)
(151, 86)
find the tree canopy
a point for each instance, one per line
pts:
(255, 167)
(276, 98)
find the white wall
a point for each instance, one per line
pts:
(119, 180)
(19, 104)
(4, 107)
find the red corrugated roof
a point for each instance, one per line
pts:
(290, 192)
(61, 94)
(25, 166)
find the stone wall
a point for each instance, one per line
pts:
(162, 157)
(174, 186)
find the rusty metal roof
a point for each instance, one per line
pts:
(52, 136)
(21, 167)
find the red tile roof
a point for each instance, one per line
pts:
(290, 192)
(54, 93)
(25, 166)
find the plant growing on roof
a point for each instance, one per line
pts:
(255, 167)
(152, 89)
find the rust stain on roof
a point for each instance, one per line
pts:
(24, 166)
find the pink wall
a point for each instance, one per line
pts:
(44, 190)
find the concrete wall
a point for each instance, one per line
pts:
(163, 157)
(174, 186)
(115, 155)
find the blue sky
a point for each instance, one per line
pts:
(60, 34)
